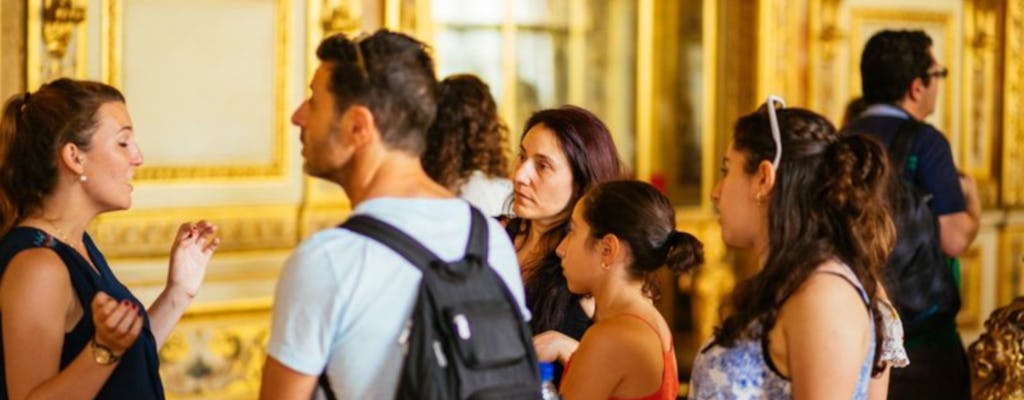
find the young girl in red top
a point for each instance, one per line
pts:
(620, 234)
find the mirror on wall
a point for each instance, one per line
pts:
(539, 54)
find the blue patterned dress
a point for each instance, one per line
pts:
(742, 372)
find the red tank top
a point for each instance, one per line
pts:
(669, 388)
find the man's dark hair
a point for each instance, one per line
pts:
(391, 74)
(890, 63)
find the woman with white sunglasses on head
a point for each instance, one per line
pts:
(810, 204)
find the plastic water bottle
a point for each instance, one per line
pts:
(548, 391)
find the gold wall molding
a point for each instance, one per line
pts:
(711, 284)
(971, 267)
(111, 66)
(823, 46)
(979, 103)
(315, 218)
(217, 352)
(1010, 273)
(12, 48)
(1013, 106)
(149, 233)
(57, 40)
(783, 37)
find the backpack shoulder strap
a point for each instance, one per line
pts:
(325, 384)
(902, 144)
(411, 249)
(478, 243)
(392, 237)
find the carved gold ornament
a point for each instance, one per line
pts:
(997, 357)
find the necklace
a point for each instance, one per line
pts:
(60, 232)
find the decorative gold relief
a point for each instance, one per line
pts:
(971, 267)
(55, 28)
(823, 20)
(783, 26)
(317, 218)
(1010, 282)
(1013, 106)
(979, 102)
(217, 353)
(997, 357)
(111, 66)
(345, 16)
(143, 233)
(712, 283)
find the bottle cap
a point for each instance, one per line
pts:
(547, 372)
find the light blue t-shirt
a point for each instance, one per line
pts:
(343, 299)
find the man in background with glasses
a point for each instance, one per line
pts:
(900, 82)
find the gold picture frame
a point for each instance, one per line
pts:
(111, 62)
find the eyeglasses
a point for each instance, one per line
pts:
(940, 73)
(774, 120)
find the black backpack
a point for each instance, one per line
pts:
(920, 277)
(466, 338)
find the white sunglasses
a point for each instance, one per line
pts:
(776, 135)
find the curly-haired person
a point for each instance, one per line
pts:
(466, 145)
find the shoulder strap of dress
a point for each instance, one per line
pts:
(853, 282)
(651, 325)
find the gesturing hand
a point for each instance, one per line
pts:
(117, 324)
(193, 246)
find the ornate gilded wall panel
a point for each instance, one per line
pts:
(57, 42)
(1013, 106)
(710, 284)
(145, 233)
(971, 270)
(1011, 262)
(825, 36)
(782, 61)
(980, 103)
(236, 132)
(217, 353)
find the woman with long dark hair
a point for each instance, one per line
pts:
(811, 205)
(563, 153)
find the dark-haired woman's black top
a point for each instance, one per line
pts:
(137, 375)
(551, 304)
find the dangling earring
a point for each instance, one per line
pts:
(82, 178)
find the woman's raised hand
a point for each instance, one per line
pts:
(193, 247)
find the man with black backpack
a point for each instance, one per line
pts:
(935, 209)
(416, 295)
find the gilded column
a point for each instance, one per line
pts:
(1013, 106)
